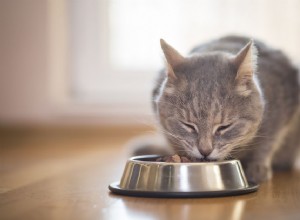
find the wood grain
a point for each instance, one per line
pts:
(66, 176)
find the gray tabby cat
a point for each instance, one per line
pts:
(231, 97)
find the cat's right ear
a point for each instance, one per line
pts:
(246, 63)
(173, 58)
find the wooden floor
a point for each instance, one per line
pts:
(46, 175)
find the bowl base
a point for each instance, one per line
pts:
(115, 188)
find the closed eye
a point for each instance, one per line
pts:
(222, 128)
(190, 127)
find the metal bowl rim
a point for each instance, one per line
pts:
(137, 160)
(115, 188)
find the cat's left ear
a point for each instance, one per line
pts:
(246, 62)
(173, 58)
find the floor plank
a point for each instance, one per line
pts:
(66, 177)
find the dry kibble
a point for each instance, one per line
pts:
(179, 159)
(176, 158)
(168, 159)
(185, 160)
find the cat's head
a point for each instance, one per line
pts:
(210, 104)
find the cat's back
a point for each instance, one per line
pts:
(267, 56)
(278, 77)
(233, 44)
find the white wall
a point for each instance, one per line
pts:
(34, 77)
(34, 61)
(23, 51)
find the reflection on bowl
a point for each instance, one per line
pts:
(143, 176)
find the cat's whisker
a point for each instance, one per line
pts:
(170, 134)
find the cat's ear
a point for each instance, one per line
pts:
(173, 58)
(246, 63)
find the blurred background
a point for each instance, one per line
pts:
(93, 62)
(75, 87)
(79, 73)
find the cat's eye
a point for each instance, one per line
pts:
(189, 126)
(222, 128)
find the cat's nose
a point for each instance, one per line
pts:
(205, 151)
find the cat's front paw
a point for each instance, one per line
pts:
(258, 173)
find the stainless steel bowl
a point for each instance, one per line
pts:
(143, 176)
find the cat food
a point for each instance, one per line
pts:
(178, 159)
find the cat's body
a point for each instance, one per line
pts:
(218, 103)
